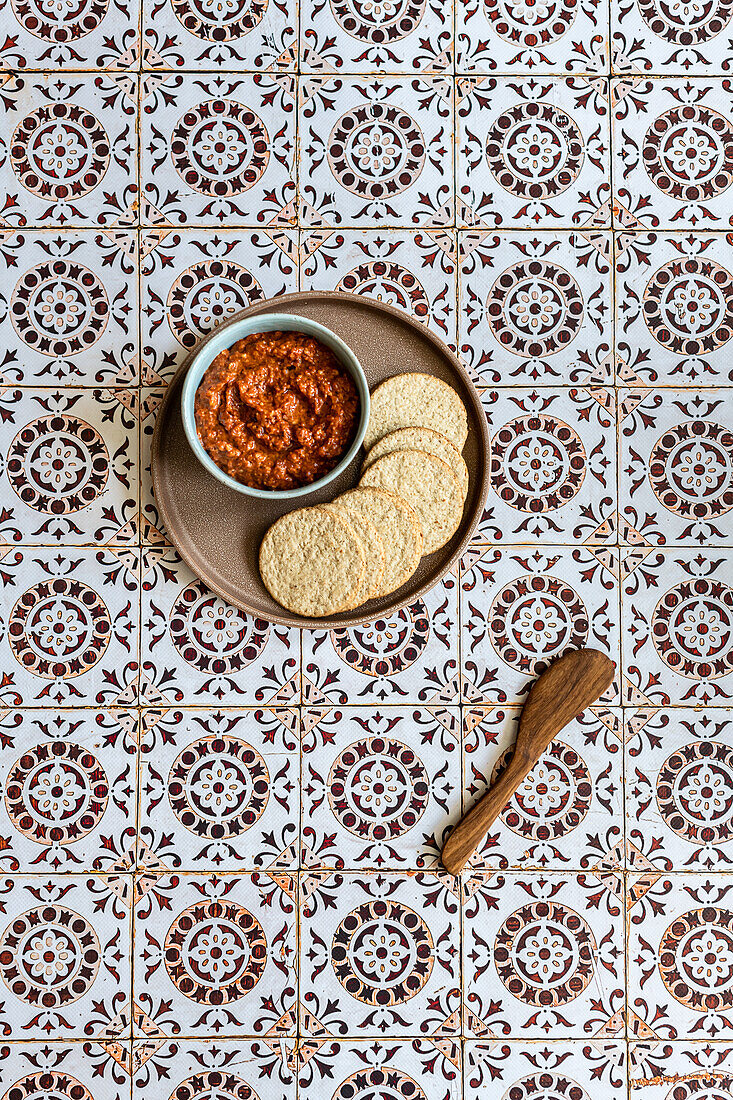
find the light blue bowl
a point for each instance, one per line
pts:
(227, 335)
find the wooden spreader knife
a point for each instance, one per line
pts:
(569, 685)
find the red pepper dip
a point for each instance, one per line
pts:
(276, 410)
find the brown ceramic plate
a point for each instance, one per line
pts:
(217, 531)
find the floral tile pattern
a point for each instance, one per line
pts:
(219, 839)
(539, 322)
(533, 154)
(69, 308)
(543, 955)
(523, 1069)
(192, 282)
(566, 813)
(376, 151)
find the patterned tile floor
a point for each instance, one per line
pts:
(219, 838)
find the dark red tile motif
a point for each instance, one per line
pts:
(219, 839)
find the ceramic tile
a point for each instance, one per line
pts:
(69, 150)
(69, 308)
(546, 318)
(376, 152)
(65, 1069)
(380, 954)
(504, 37)
(70, 467)
(674, 315)
(415, 271)
(568, 812)
(648, 36)
(680, 961)
(520, 1070)
(672, 144)
(198, 648)
(416, 1070)
(677, 632)
(71, 620)
(409, 36)
(533, 154)
(379, 786)
(193, 281)
(218, 152)
(215, 1067)
(543, 955)
(694, 1066)
(203, 944)
(678, 788)
(64, 956)
(220, 790)
(553, 474)
(69, 780)
(191, 34)
(409, 656)
(521, 607)
(676, 467)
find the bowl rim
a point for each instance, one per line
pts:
(223, 337)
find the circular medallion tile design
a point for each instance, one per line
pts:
(48, 1085)
(59, 308)
(60, 152)
(60, 21)
(49, 956)
(544, 954)
(379, 23)
(533, 619)
(535, 150)
(56, 793)
(531, 25)
(692, 629)
(688, 306)
(691, 470)
(688, 153)
(535, 308)
(379, 1083)
(382, 953)
(218, 787)
(207, 295)
(688, 23)
(378, 788)
(214, 1084)
(220, 148)
(59, 628)
(694, 792)
(215, 952)
(545, 1085)
(58, 464)
(213, 636)
(553, 799)
(385, 646)
(219, 20)
(388, 282)
(696, 959)
(376, 151)
(538, 463)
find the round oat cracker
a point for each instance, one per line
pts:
(399, 529)
(416, 401)
(422, 439)
(312, 562)
(426, 483)
(373, 551)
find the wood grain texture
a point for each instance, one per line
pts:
(570, 684)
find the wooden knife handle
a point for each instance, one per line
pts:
(471, 829)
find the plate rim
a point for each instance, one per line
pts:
(295, 297)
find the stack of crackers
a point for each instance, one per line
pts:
(368, 542)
